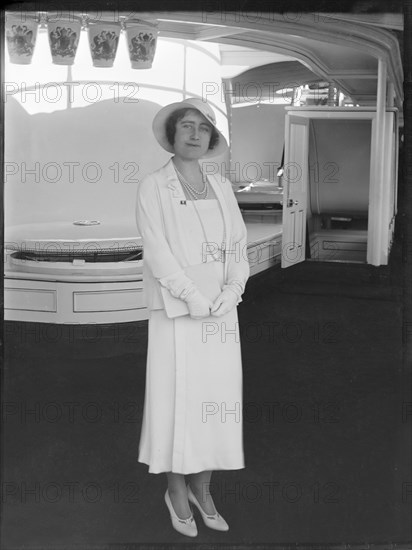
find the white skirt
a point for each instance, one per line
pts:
(192, 417)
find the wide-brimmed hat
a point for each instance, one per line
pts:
(159, 124)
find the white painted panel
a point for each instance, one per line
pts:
(105, 300)
(25, 299)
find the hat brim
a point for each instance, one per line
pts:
(159, 129)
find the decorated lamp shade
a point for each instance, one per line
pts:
(103, 41)
(21, 33)
(64, 35)
(141, 42)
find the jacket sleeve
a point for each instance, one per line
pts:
(236, 251)
(156, 250)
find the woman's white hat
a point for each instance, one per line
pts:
(159, 124)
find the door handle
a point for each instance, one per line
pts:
(292, 202)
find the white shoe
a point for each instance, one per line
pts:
(184, 526)
(214, 521)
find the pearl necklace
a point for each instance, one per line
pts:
(221, 254)
(194, 193)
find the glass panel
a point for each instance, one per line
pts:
(88, 93)
(203, 78)
(203, 73)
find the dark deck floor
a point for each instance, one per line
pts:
(327, 423)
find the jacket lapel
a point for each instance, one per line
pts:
(173, 182)
(176, 192)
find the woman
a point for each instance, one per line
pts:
(192, 421)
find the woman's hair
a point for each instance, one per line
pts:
(174, 118)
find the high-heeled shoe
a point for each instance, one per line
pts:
(184, 526)
(214, 521)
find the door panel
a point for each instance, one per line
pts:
(295, 179)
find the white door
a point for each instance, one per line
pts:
(295, 182)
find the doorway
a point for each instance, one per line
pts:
(338, 193)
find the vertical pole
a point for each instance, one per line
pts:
(404, 218)
(184, 71)
(331, 97)
(391, 95)
(228, 95)
(2, 112)
(69, 78)
(376, 184)
(405, 202)
(337, 97)
(391, 175)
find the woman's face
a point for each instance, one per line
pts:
(192, 137)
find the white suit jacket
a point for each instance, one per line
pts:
(162, 220)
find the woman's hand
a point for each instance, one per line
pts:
(198, 305)
(224, 303)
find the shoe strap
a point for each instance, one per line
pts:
(188, 520)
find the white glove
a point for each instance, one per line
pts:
(180, 286)
(198, 305)
(224, 303)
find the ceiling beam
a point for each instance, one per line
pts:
(382, 20)
(357, 74)
(216, 32)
